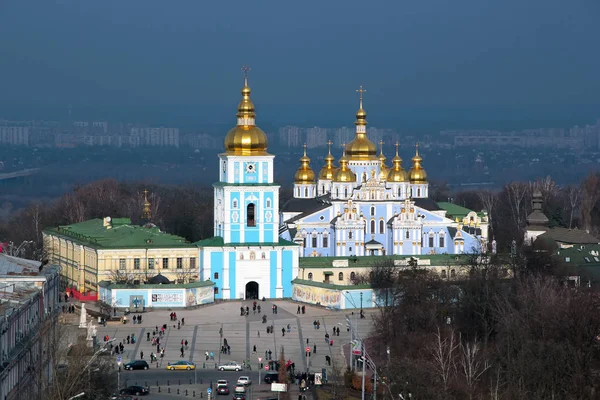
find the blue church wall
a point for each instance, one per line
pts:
(201, 264)
(216, 265)
(287, 262)
(308, 250)
(269, 234)
(123, 297)
(232, 277)
(472, 244)
(273, 275)
(236, 172)
(265, 174)
(250, 177)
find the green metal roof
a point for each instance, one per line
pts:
(369, 261)
(579, 257)
(330, 285)
(217, 241)
(120, 235)
(110, 285)
(327, 273)
(454, 210)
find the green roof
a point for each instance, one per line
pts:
(453, 210)
(110, 285)
(369, 261)
(217, 241)
(329, 285)
(577, 256)
(120, 235)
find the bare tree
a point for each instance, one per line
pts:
(472, 365)
(489, 200)
(119, 276)
(590, 194)
(547, 187)
(517, 196)
(574, 195)
(444, 356)
(74, 210)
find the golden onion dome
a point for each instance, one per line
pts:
(397, 173)
(383, 169)
(417, 174)
(344, 174)
(361, 148)
(328, 170)
(246, 138)
(304, 174)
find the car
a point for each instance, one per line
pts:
(222, 389)
(230, 366)
(239, 396)
(239, 389)
(135, 390)
(136, 364)
(181, 364)
(222, 382)
(271, 377)
(244, 380)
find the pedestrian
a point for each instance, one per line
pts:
(303, 309)
(147, 336)
(328, 359)
(298, 310)
(273, 308)
(315, 324)
(270, 354)
(182, 321)
(266, 355)
(314, 348)
(181, 351)
(326, 338)
(128, 338)
(259, 308)
(331, 342)
(282, 331)
(186, 344)
(158, 348)
(254, 349)
(212, 356)
(228, 350)
(306, 340)
(289, 328)
(141, 355)
(206, 355)
(258, 333)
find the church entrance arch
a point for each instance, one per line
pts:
(251, 290)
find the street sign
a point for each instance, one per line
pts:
(259, 359)
(119, 359)
(307, 349)
(357, 348)
(266, 367)
(209, 390)
(318, 378)
(278, 387)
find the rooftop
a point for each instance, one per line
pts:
(369, 261)
(569, 236)
(117, 233)
(330, 285)
(110, 285)
(454, 210)
(217, 241)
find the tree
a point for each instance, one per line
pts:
(444, 353)
(488, 200)
(574, 196)
(472, 365)
(119, 276)
(590, 194)
(517, 198)
(284, 375)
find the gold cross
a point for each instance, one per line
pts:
(304, 149)
(245, 69)
(360, 92)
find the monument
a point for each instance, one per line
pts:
(83, 317)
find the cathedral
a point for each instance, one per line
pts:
(360, 208)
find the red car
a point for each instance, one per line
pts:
(222, 389)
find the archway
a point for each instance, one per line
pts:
(251, 290)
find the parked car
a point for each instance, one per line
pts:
(136, 364)
(181, 364)
(239, 396)
(222, 389)
(244, 380)
(271, 377)
(135, 390)
(230, 366)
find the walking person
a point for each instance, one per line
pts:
(141, 355)
(186, 344)
(282, 331)
(298, 311)
(181, 351)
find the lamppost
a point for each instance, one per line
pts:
(361, 310)
(353, 330)
(119, 362)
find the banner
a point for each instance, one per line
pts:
(162, 298)
(314, 295)
(198, 296)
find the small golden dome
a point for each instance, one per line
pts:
(305, 174)
(417, 174)
(383, 169)
(361, 148)
(246, 138)
(397, 173)
(328, 170)
(344, 174)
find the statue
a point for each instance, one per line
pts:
(83, 317)
(91, 331)
(494, 246)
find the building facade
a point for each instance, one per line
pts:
(246, 258)
(113, 249)
(365, 208)
(29, 297)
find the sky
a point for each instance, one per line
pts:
(432, 62)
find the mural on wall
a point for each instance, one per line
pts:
(197, 296)
(309, 294)
(136, 303)
(161, 298)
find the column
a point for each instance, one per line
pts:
(279, 288)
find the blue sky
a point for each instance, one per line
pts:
(307, 57)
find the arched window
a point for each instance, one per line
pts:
(305, 192)
(310, 276)
(444, 274)
(381, 226)
(250, 215)
(373, 226)
(252, 255)
(216, 275)
(442, 244)
(453, 273)
(298, 192)
(345, 192)
(325, 240)
(341, 276)
(352, 276)
(268, 204)
(234, 203)
(430, 240)
(337, 192)
(372, 210)
(263, 255)
(216, 290)
(350, 235)
(399, 192)
(241, 256)
(323, 189)
(419, 192)
(314, 240)
(407, 234)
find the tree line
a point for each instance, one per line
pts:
(187, 210)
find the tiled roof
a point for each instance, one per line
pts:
(121, 234)
(569, 236)
(10, 265)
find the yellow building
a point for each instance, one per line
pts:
(115, 250)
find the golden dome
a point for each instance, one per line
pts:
(383, 169)
(361, 148)
(344, 174)
(328, 170)
(246, 138)
(305, 173)
(397, 173)
(417, 174)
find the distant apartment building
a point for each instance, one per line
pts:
(14, 135)
(155, 137)
(29, 301)
(316, 137)
(342, 135)
(291, 136)
(202, 141)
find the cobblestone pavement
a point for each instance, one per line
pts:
(203, 326)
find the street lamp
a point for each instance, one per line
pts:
(119, 362)
(353, 327)
(361, 310)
